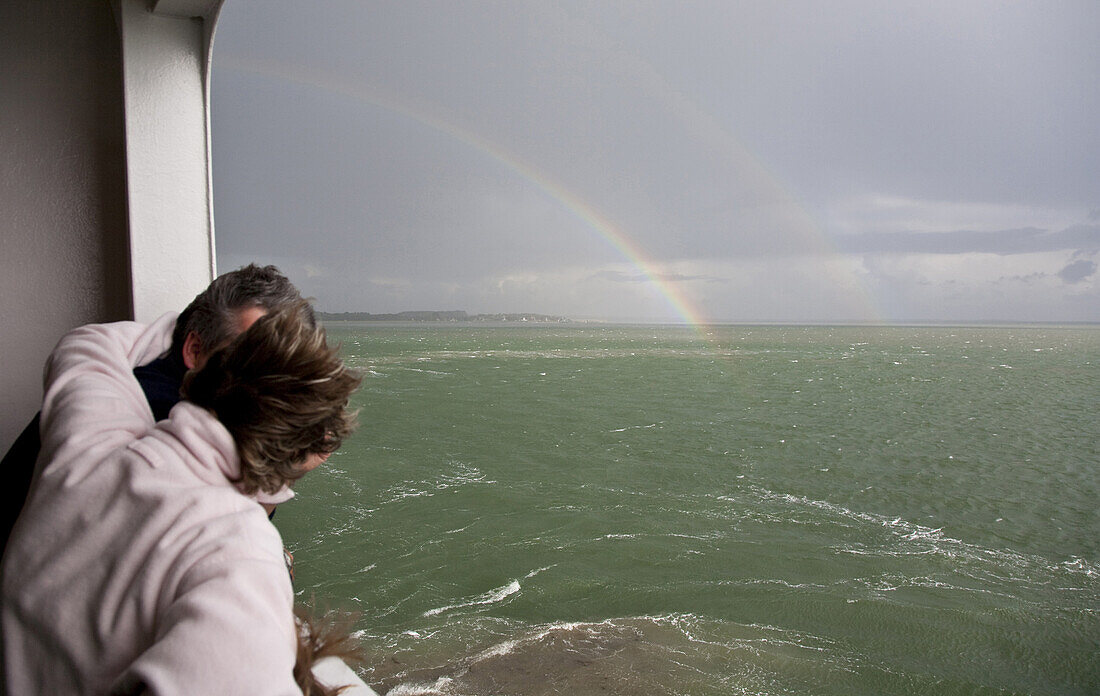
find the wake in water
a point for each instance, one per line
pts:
(671, 654)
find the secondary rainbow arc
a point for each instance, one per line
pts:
(682, 306)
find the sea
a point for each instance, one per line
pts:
(624, 509)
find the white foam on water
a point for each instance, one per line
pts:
(761, 639)
(491, 597)
(498, 650)
(633, 427)
(461, 474)
(911, 539)
(905, 528)
(428, 372)
(776, 581)
(925, 533)
(1079, 565)
(709, 536)
(439, 687)
(533, 573)
(504, 648)
(402, 494)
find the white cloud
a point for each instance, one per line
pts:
(966, 287)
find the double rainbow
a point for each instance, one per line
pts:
(631, 251)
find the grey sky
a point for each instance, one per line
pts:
(789, 161)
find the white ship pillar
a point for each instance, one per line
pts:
(166, 90)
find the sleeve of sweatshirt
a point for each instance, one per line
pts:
(230, 630)
(91, 396)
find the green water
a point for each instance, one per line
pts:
(769, 510)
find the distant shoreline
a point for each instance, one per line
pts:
(443, 316)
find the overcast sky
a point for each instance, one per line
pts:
(663, 161)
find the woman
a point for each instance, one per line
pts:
(143, 561)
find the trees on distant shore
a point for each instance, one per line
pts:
(456, 315)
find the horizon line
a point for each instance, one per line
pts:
(626, 321)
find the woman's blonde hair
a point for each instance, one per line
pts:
(282, 393)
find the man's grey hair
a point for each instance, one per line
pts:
(212, 315)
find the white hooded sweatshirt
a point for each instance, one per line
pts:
(137, 566)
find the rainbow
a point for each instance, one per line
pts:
(676, 299)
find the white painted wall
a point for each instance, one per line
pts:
(63, 259)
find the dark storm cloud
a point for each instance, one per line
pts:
(1019, 241)
(1077, 271)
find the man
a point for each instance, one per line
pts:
(231, 304)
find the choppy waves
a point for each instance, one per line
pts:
(784, 510)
